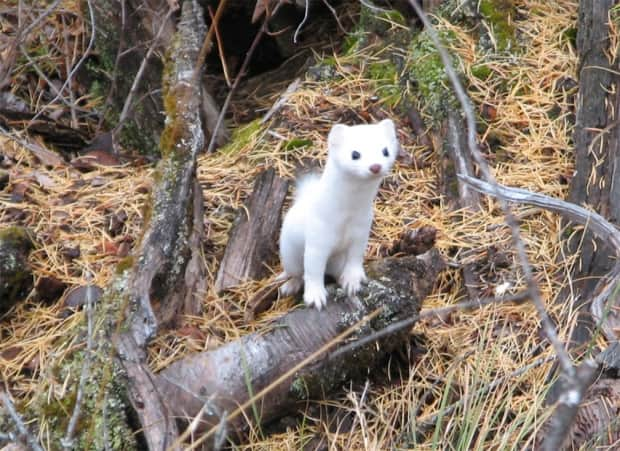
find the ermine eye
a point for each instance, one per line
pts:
(355, 155)
(386, 153)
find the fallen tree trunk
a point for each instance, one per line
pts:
(163, 280)
(213, 384)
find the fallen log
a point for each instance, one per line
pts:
(252, 240)
(162, 281)
(213, 384)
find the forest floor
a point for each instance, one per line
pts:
(494, 359)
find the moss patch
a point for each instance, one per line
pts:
(429, 74)
(242, 136)
(498, 14)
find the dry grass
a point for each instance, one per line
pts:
(464, 353)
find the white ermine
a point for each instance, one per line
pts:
(326, 230)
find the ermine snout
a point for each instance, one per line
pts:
(375, 168)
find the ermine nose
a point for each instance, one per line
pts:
(375, 168)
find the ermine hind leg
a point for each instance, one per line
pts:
(292, 285)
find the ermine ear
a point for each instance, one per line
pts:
(388, 128)
(337, 136)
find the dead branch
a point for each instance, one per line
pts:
(228, 376)
(168, 268)
(251, 244)
(590, 219)
(572, 393)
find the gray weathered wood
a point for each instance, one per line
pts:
(252, 242)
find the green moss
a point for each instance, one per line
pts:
(125, 264)
(570, 36)
(427, 70)
(498, 13)
(16, 236)
(387, 76)
(481, 71)
(297, 143)
(242, 136)
(372, 22)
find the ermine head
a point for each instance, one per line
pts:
(363, 151)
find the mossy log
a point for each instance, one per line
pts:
(162, 280)
(15, 273)
(213, 384)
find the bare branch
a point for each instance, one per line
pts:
(568, 405)
(19, 423)
(532, 286)
(605, 230)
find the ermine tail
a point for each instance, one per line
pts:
(306, 185)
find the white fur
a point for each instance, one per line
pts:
(326, 230)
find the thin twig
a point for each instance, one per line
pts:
(206, 45)
(301, 24)
(68, 63)
(220, 47)
(21, 427)
(532, 286)
(136, 81)
(246, 61)
(10, 55)
(333, 11)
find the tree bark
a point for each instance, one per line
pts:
(597, 154)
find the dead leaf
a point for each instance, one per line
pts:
(43, 180)
(11, 353)
(50, 289)
(90, 160)
(78, 296)
(46, 157)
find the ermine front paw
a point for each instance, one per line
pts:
(351, 280)
(315, 295)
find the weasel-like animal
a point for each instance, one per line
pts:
(326, 230)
